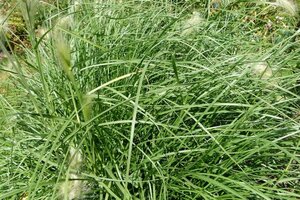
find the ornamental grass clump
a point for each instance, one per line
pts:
(122, 105)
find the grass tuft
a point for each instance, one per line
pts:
(152, 100)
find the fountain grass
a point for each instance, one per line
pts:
(152, 110)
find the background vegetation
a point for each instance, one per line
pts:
(149, 100)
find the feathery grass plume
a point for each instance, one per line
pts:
(42, 32)
(288, 5)
(73, 187)
(192, 23)
(262, 70)
(76, 159)
(65, 22)
(87, 103)
(63, 51)
(63, 54)
(77, 5)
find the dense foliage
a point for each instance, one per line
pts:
(152, 100)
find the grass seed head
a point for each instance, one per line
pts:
(63, 53)
(77, 5)
(71, 189)
(288, 5)
(65, 22)
(262, 70)
(42, 32)
(75, 158)
(192, 23)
